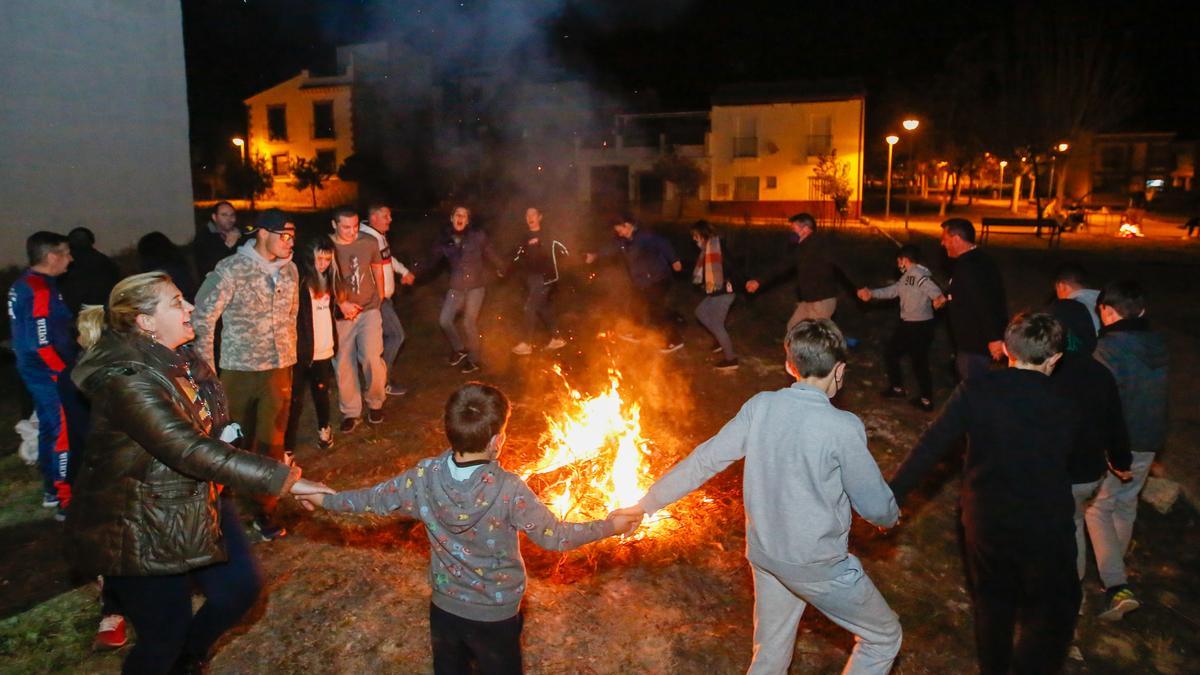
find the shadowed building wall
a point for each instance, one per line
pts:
(93, 122)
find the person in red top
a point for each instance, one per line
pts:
(43, 343)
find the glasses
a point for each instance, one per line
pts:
(285, 236)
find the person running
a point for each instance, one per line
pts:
(711, 274)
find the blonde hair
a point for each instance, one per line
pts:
(138, 294)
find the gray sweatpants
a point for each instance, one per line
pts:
(360, 345)
(819, 309)
(850, 600)
(1083, 493)
(1110, 519)
(711, 313)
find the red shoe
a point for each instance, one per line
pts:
(111, 634)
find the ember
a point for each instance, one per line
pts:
(595, 449)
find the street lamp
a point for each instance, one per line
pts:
(910, 125)
(892, 140)
(241, 144)
(1003, 163)
(1061, 147)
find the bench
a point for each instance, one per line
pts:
(1023, 226)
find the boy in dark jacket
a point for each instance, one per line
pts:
(473, 511)
(537, 264)
(1137, 358)
(1016, 500)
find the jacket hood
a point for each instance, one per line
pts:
(113, 348)
(917, 269)
(1133, 339)
(271, 267)
(459, 505)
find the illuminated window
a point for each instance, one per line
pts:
(323, 119)
(277, 122)
(327, 160)
(772, 182)
(280, 166)
(745, 189)
(820, 135)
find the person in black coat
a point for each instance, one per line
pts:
(1018, 533)
(217, 239)
(91, 275)
(977, 310)
(316, 340)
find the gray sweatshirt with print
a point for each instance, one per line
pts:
(475, 564)
(807, 464)
(916, 290)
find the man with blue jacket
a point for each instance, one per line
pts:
(44, 346)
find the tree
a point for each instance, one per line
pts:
(833, 178)
(253, 180)
(682, 171)
(308, 174)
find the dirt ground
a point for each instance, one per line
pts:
(349, 594)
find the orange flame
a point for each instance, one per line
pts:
(597, 441)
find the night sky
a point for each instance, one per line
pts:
(671, 54)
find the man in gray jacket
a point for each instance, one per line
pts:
(807, 464)
(255, 292)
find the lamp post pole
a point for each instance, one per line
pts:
(909, 125)
(887, 202)
(1003, 163)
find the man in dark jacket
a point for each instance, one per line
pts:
(1015, 498)
(1137, 358)
(978, 310)
(91, 275)
(650, 260)
(218, 240)
(816, 271)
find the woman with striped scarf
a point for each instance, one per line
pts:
(710, 275)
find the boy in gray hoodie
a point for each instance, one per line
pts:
(919, 296)
(807, 464)
(473, 510)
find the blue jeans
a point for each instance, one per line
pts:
(468, 303)
(160, 607)
(393, 333)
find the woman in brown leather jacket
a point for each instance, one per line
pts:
(147, 512)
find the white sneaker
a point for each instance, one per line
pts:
(325, 438)
(522, 349)
(556, 343)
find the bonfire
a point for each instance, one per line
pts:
(594, 456)
(1129, 230)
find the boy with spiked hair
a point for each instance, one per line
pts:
(473, 511)
(807, 465)
(1017, 507)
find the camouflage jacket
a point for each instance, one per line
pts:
(257, 302)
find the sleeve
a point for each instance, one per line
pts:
(398, 267)
(490, 253)
(424, 267)
(937, 440)
(140, 407)
(993, 304)
(886, 292)
(707, 460)
(212, 298)
(929, 288)
(665, 249)
(609, 249)
(33, 318)
(1117, 436)
(529, 515)
(869, 494)
(394, 495)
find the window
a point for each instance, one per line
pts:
(745, 138)
(820, 135)
(745, 189)
(772, 182)
(277, 122)
(327, 161)
(323, 119)
(722, 190)
(280, 166)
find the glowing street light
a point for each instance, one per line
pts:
(1003, 163)
(910, 125)
(241, 144)
(1063, 147)
(892, 140)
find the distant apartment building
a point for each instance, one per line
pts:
(757, 146)
(1108, 169)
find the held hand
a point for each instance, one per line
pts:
(308, 487)
(311, 502)
(864, 294)
(349, 309)
(626, 520)
(589, 258)
(996, 347)
(408, 279)
(939, 302)
(1125, 476)
(677, 266)
(752, 286)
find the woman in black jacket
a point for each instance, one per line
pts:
(146, 511)
(316, 340)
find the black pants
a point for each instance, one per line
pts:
(160, 607)
(493, 646)
(656, 313)
(319, 378)
(537, 307)
(912, 338)
(1028, 586)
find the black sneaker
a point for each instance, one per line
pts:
(375, 416)
(470, 366)
(923, 403)
(893, 392)
(349, 424)
(456, 358)
(727, 364)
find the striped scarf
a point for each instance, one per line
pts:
(709, 269)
